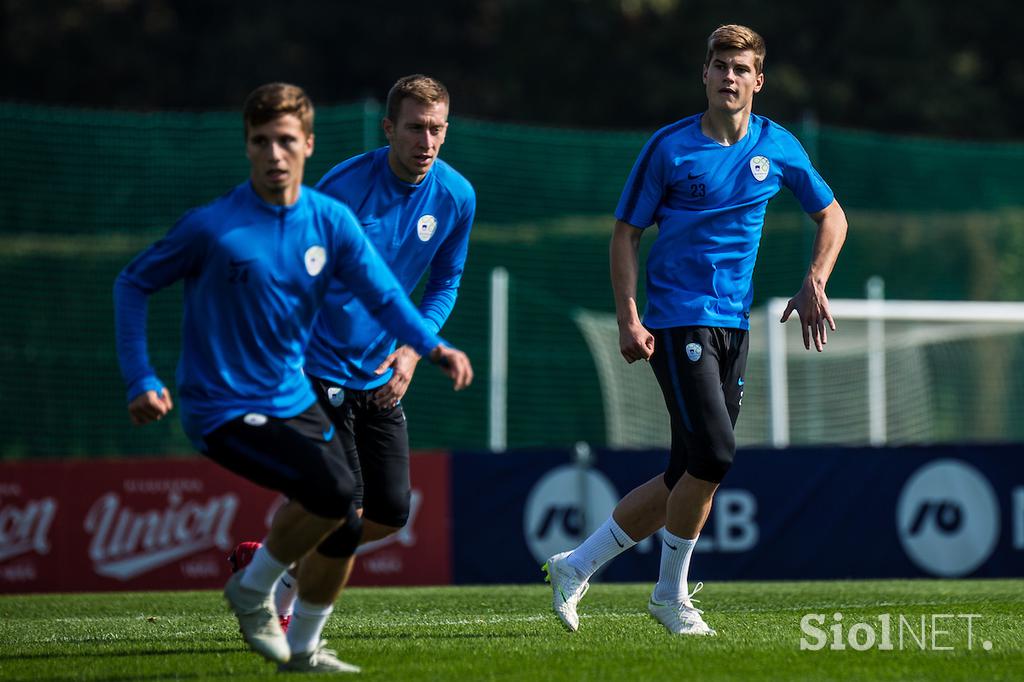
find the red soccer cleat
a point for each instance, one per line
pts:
(240, 557)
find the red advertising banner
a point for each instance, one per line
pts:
(141, 524)
(420, 553)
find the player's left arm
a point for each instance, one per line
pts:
(436, 305)
(811, 303)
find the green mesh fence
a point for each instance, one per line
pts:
(82, 191)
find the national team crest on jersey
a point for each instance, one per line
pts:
(426, 226)
(255, 419)
(759, 166)
(316, 259)
(694, 351)
(335, 396)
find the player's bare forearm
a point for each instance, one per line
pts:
(811, 303)
(828, 241)
(635, 342)
(624, 256)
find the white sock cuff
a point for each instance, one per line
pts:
(675, 539)
(272, 560)
(620, 534)
(304, 608)
(263, 571)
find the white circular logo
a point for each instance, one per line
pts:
(255, 419)
(759, 166)
(316, 259)
(694, 351)
(335, 396)
(565, 506)
(947, 517)
(425, 227)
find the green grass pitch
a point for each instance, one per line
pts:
(510, 633)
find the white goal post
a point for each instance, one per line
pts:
(894, 372)
(981, 318)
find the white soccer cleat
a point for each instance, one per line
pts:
(567, 589)
(257, 620)
(319, 660)
(680, 618)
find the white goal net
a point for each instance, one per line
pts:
(895, 372)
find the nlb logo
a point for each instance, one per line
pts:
(565, 506)
(947, 517)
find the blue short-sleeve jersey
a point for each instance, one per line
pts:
(709, 202)
(413, 227)
(255, 276)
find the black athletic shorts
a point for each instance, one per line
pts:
(376, 443)
(298, 456)
(700, 371)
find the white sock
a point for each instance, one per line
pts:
(284, 594)
(307, 625)
(603, 545)
(675, 568)
(263, 571)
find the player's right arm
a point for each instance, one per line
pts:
(436, 304)
(161, 264)
(635, 342)
(640, 199)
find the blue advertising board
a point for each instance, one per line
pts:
(815, 513)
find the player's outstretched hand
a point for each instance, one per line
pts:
(403, 363)
(811, 304)
(455, 364)
(635, 342)
(150, 406)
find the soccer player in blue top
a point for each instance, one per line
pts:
(417, 211)
(706, 181)
(257, 264)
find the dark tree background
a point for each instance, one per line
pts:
(907, 66)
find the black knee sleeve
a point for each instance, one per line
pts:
(717, 459)
(328, 495)
(391, 508)
(712, 465)
(342, 543)
(712, 470)
(674, 471)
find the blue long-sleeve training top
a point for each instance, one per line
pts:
(255, 275)
(413, 227)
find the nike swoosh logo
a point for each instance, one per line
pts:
(615, 538)
(238, 263)
(286, 583)
(329, 433)
(694, 176)
(741, 381)
(671, 547)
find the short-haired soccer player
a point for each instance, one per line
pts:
(417, 211)
(706, 181)
(257, 264)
